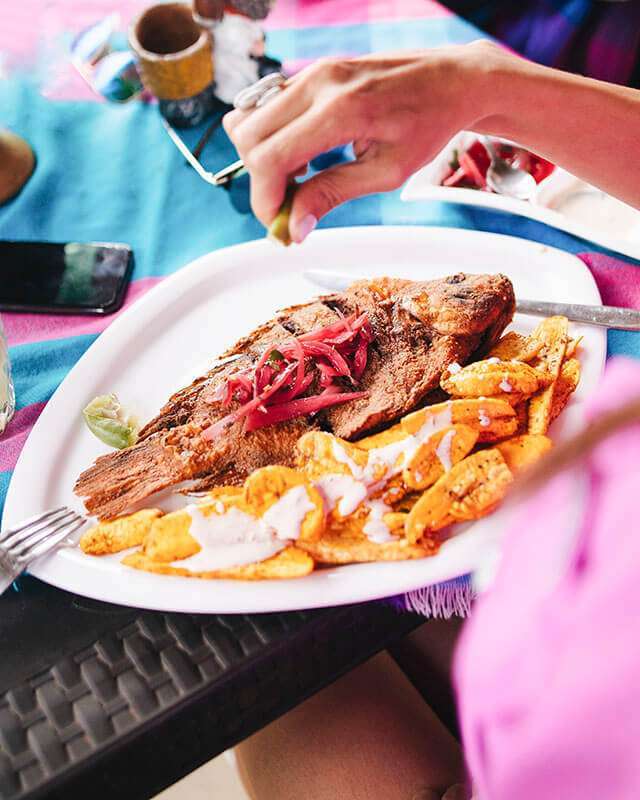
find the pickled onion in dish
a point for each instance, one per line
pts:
(272, 391)
(297, 408)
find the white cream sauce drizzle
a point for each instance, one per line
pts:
(376, 529)
(443, 450)
(347, 492)
(342, 491)
(285, 516)
(234, 538)
(230, 555)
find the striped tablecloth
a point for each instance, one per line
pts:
(109, 173)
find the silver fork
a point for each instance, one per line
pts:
(36, 537)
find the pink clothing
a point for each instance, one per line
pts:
(548, 668)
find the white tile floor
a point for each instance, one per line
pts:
(216, 780)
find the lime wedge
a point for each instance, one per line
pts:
(278, 231)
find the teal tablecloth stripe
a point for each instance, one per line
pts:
(39, 367)
(291, 44)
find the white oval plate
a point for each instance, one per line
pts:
(599, 218)
(171, 334)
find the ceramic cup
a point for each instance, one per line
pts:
(175, 60)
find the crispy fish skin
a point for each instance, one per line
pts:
(419, 329)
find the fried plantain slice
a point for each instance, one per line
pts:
(292, 562)
(382, 439)
(320, 453)
(296, 497)
(119, 534)
(522, 451)
(573, 345)
(522, 413)
(513, 398)
(566, 384)
(277, 497)
(347, 550)
(471, 489)
(437, 455)
(169, 539)
(553, 332)
(492, 419)
(490, 377)
(516, 347)
(394, 491)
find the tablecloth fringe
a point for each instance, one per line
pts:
(442, 601)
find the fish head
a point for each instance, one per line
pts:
(461, 305)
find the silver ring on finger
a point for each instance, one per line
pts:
(250, 97)
(269, 95)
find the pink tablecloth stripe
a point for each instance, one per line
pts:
(27, 26)
(619, 283)
(308, 13)
(16, 434)
(23, 328)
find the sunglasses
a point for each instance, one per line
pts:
(234, 178)
(111, 73)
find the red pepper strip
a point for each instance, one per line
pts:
(455, 177)
(541, 168)
(298, 352)
(244, 381)
(332, 388)
(472, 170)
(342, 338)
(347, 324)
(296, 390)
(297, 408)
(327, 373)
(213, 430)
(360, 358)
(328, 352)
(358, 325)
(329, 330)
(363, 319)
(264, 357)
(261, 379)
(366, 332)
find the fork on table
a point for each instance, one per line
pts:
(35, 537)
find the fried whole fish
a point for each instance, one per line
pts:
(418, 328)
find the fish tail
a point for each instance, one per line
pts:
(119, 480)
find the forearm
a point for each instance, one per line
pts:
(589, 127)
(400, 110)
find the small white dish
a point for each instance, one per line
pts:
(561, 200)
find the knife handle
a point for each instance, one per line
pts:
(625, 319)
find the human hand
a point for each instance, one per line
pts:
(399, 110)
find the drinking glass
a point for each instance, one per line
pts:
(7, 394)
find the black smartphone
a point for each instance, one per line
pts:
(69, 278)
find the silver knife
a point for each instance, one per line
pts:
(624, 319)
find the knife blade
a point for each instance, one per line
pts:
(624, 319)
